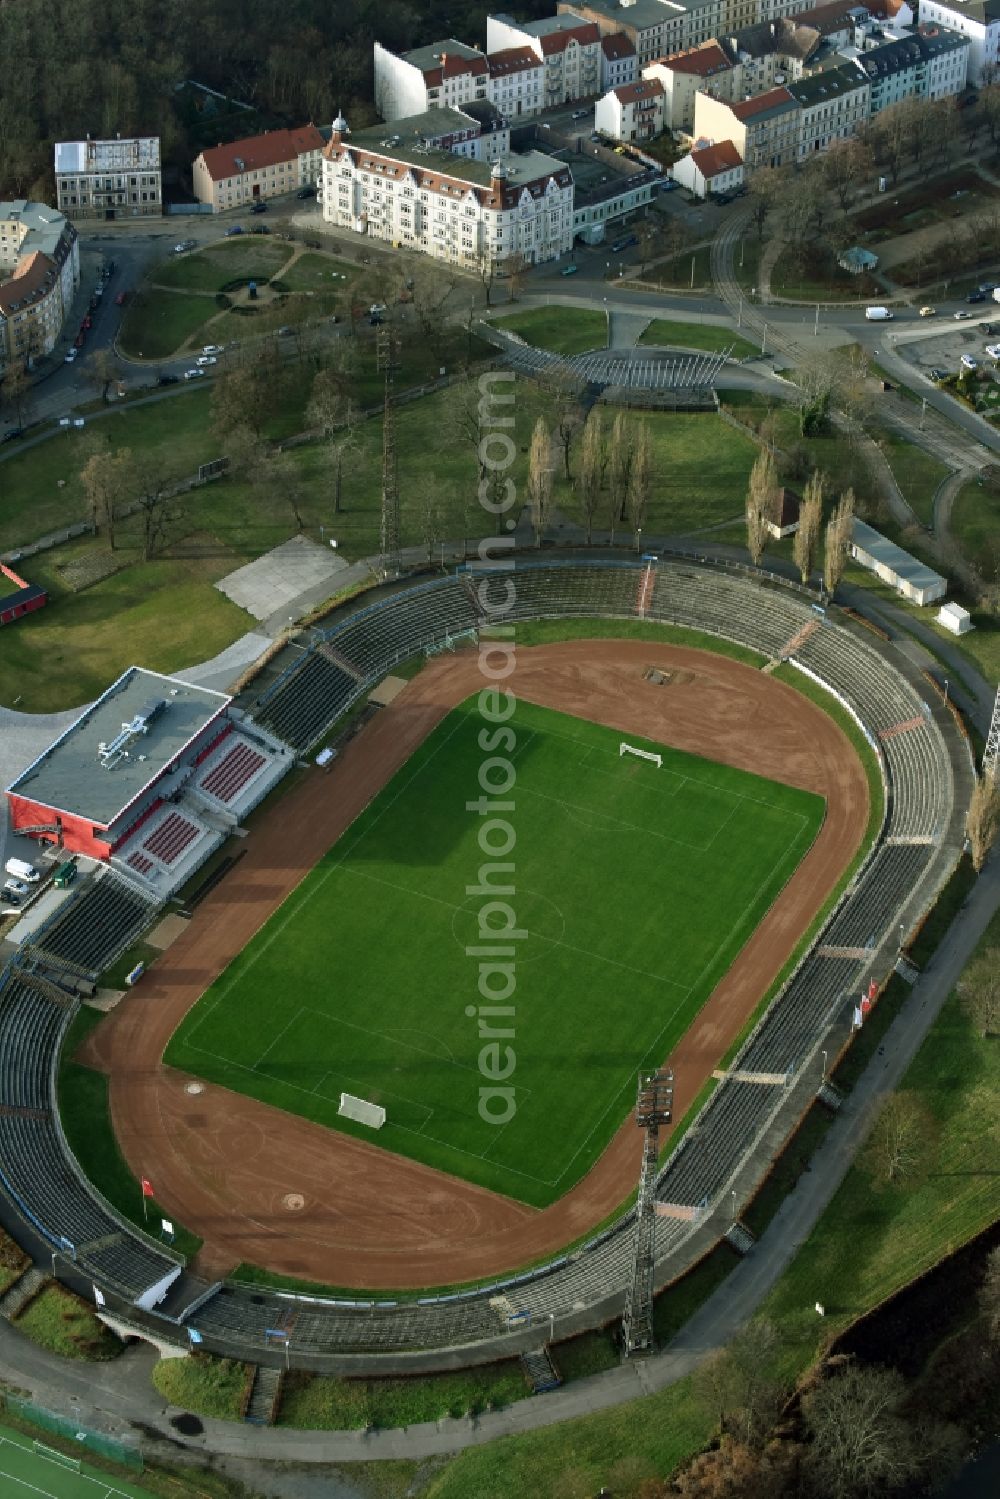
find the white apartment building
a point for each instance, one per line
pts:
(39, 276)
(633, 112)
(569, 48)
(257, 168)
(465, 212)
(517, 82)
(979, 20)
(478, 132)
(116, 179)
(931, 64)
(443, 74)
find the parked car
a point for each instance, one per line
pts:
(79, 421)
(928, 312)
(722, 198)
(968, 363)
(595, 136)
(976, 296)
(212, 349)
(569, 270)
(258, 207)
(234, 229)
(306, 192)
(580, 114)
(193, 374)
(376, 309)
(993, 350)
(185, 244)
(168, 379)
(937, 374)
(624, 243)
(70, 356)
(9, 900)
(260, 229)
(668, 185)
(204, 359)
(17, 887)
(284, 332)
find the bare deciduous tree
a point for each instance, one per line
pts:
(327, 400)
(982, 820)
(540, 477)
(839, 531)
(861, 1441)
(902, 1138)
(593, 465)
(806, 539)
(620, 457)
(640, 480)
(735, 1387)
(103, 370)
(762, 492)
(979, 991)
(104, 478)
(565, 391)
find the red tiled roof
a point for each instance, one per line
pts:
(257, 151)
(712, 160)
(513, 60)
(701, 61)
(636, 93)
(557, 41)
(616, 46)
(747, 108)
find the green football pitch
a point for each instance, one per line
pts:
(30, 1469)
(635, 886)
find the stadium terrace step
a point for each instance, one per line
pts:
(916, 722)
(540, 1371)
(858, 953)
(22, 1111)
(22, 1293)
(907, 971)
(265, 1396)
(51, 991)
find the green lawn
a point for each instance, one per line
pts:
(562, 330)
(975, 525)
(654, 834)
(164, 614)
(246, 255)
(819, 279)
(159, 321)
(917, 473)
(320, 1403)
(316, 272)
(708, 336)
(67, 1325)
(677, 271)
(86, 1119)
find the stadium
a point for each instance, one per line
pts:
(435, 1239)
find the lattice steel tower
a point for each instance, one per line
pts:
(385, 358)
(653, 1108)
(991, 754)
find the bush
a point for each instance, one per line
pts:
(221, 300)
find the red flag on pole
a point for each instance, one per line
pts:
(147, 1187)
(873, 990)
(866, 1004)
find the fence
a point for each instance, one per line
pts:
(122, 1450)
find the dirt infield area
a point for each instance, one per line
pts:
(267, 1187)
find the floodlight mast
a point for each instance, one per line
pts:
(653, 1110)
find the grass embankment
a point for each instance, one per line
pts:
(86, 1119)
(320, 1403)
(64, 1324)
(917, 473)
(665, 334)
(13, 1261)
(205, 1385)
(561, 330)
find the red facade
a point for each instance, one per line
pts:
(79, 834)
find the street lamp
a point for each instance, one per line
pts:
(824, 1066)
(638, 538)
(734, 1203)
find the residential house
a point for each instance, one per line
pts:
(517, 82)
(710, 169)
(764, 130)
(833, 104)
(109, 179)
(634, 112)
(466, 212)
(927, 65)
(979, 20)
(39, 276)
(447, 74)
(257, 168)
(619, 63)
(708, 67)
(656, 28)
(569, 48)
(782, 518)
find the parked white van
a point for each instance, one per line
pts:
(878, 314)
(22, 871)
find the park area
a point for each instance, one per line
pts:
(196, 298)
(687, 859)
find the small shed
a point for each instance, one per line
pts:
(784, 517)
(902, 571)
(25, 598)
(856, 261)
(954, 618)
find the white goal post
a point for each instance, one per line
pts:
(361, 1111)
(631, 749)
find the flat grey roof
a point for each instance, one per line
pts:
(70, 775)
(429, 56)
(903, 564)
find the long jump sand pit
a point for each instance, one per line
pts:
(275, 1190)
